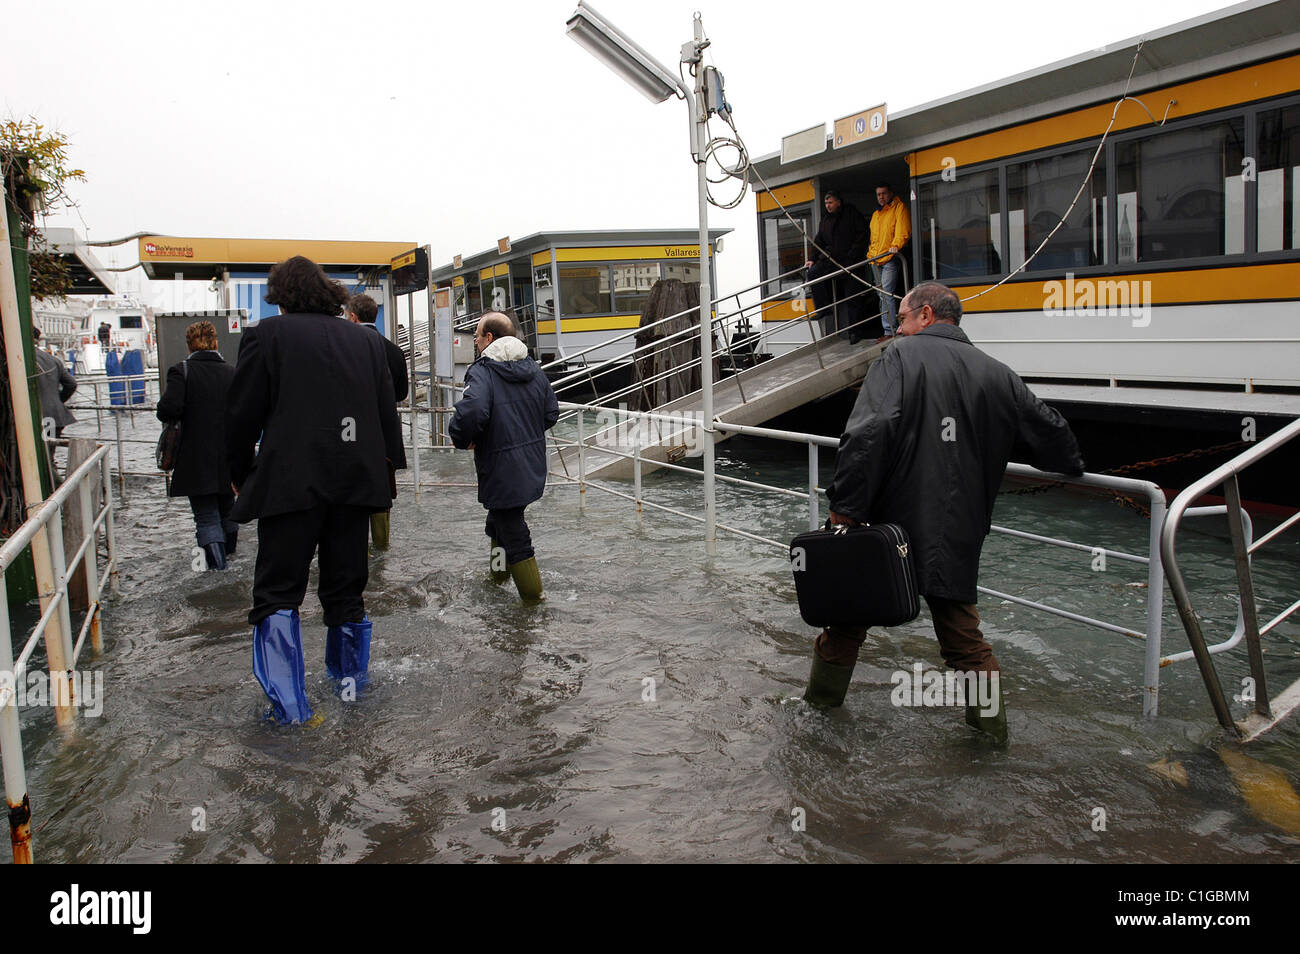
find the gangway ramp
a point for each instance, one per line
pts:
(752, 397)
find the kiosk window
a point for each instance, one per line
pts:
(584, 289)
(632, 284)
(688, 271)
(785, 249)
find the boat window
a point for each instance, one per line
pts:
(785, 249)
(1181, 193)
(961, 227)
(632, 283)
(1038, 193)
(1278, 179)
(584, 289)
(131, 322)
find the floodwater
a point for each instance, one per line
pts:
(493, 731)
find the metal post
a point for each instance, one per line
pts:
(121, 465)
(1155, 610)
(1246, 591)
(582, 463)
(90, 562)
(814, 505)
(99, 423)
(636, 475)
(11, 748)
(54, 531)
(699, 132)
(110, 539)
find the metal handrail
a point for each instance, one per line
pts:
(1226, 475)
(54, 624)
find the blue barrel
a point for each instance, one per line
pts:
(116, 389)
(133, 364)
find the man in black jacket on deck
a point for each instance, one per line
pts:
(507, 409)
(841, 241)
(317, 390)
(926, 447)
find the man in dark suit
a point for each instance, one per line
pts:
(318, 392)
(926, 447)
(363, 310)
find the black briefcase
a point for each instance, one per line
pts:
(855, 576)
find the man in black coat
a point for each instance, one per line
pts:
(926, 447)
(55, 385)
(507, 409)
(318, 392)
(196, 394)
(841, 242)
(363, 310)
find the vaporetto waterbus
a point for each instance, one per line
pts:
(1168, 298)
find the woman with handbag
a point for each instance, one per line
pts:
(195, 400)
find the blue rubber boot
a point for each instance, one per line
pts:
(278, 666)
(347, 651)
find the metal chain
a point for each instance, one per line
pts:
(1124, 500)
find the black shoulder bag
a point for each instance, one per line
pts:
(169, 441)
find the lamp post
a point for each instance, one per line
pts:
(652, 79)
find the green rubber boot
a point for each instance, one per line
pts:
(828, 683)
(497, 563)
(528, 578)
(379, 524)
(994, 726)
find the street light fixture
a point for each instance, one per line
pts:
(621, 54)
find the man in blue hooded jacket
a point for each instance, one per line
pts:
(507, 409)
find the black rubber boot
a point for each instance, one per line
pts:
(828, 683)
(994, 726)
(232, 538)
(215, 555)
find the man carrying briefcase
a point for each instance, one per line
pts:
(925, 448)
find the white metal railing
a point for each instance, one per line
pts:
(1267, 712)
(55, 623)
(1150, 632)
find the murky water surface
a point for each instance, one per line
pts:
(481, 710)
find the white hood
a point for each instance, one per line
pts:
(508, 348)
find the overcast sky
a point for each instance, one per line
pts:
(452, 124)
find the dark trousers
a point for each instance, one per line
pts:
(212, 523)
(285, 544)
(956, 625)
(838, 300)
(507, 528)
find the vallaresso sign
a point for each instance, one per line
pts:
(867, 124)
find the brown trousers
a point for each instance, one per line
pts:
(957, 626)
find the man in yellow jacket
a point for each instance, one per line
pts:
(891, 228)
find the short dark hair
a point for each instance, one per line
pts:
(498, 325)
(827, 193)
(36, 333)
(943, 301)
(882, 184)
(301, 287)
(364, 307)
